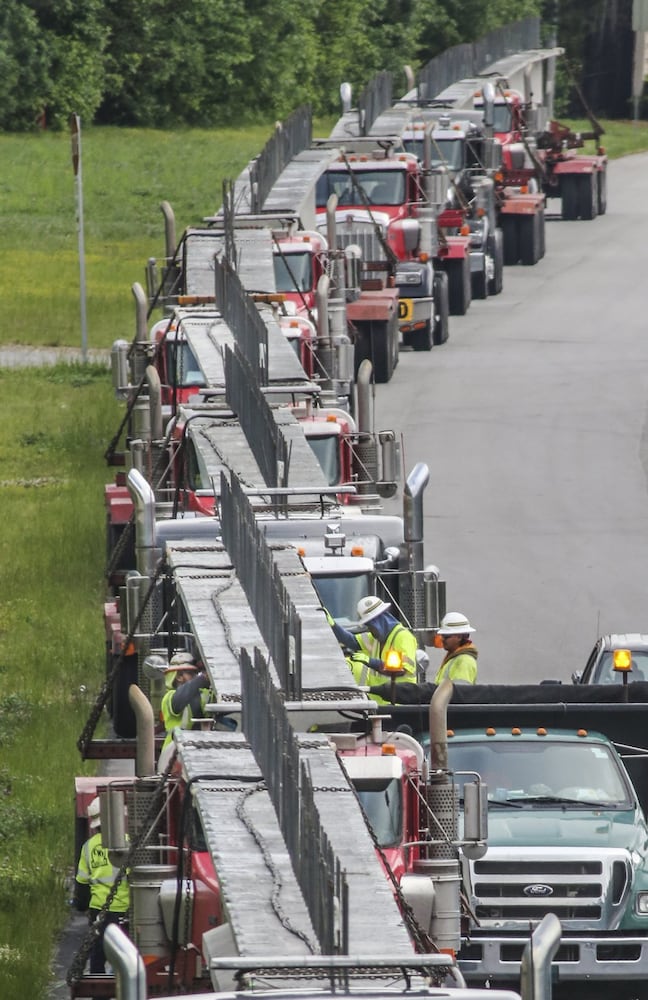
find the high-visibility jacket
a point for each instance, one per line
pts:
(400, 639)
(460, 666)
(183, 719)
(96, 870)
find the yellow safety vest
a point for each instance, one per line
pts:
(96, 870)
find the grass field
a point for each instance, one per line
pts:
(56, 425)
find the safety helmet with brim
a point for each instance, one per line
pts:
(455, 623)
(369, 608)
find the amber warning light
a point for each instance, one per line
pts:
(622, 660)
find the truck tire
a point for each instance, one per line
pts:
(496, 250)
(459, 286)
(441, 308)
(421, 340)
(542, 230)
(588, 190)
(381, 350)
(602, 190)
(479, 284)
(569, 195)
(511, 245)
(529, 240)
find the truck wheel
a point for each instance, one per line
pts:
(602, 191)
(422, 339)
(381, 351)
(529, 240)
(479, 284)
(441, 308)
(510, 237)
(496, 242)
(542, 231)
(459, 287)
(588, 196)
(569, 195)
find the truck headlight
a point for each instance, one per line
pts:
(641, 903)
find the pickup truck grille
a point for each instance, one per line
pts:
(585, 889)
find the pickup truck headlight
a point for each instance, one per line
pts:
(641, 903)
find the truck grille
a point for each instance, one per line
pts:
(585, 889)
(361, 233)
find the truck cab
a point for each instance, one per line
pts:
(567, 835)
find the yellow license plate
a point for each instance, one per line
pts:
(405, 310)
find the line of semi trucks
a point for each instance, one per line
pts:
(303, 837)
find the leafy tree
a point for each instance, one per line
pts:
(75, 39)
(24, 68)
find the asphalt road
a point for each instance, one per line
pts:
(532, 419)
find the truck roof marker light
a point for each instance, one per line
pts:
(516, 731)
(581, 732)
(541, 731)
(388, 750)
(331, 418)
(464, 231)
(424, 257)
(301, 551)
(490, 731)
(499, 177)
(477, 93)
(450, 732)
(621, 660)
(524, 189)
(357, 550)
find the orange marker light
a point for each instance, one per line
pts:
(516, 732)
(582, 732)
(357, 550)
(388, 750)
(542, 732)
(490, 732)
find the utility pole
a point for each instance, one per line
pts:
(75, 129)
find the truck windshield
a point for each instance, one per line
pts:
(293, 272)
(382, 187)
(605, 673)
(381, 801)
(449, 152)
(181, 365)
(502, 118)
(578, 773)
(340, 594)
(327, 452)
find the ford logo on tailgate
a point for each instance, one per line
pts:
(538, 890)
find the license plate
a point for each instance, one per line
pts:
(405, 310)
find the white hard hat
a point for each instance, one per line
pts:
(370, 607)
(181, 661)
(94, 813)
(454, 623)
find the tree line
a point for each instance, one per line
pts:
(164, 63)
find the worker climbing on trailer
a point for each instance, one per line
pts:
(187, 694)
(379, 647)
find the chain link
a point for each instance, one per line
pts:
(272, 868)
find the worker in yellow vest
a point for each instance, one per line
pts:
(368, 650)
(96, 875)
(186, 696)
